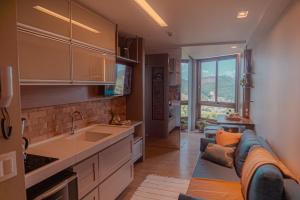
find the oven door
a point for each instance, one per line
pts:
(58, 187)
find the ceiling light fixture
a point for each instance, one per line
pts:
(54, 14)
(234, 47)
(242, 14)
(151, 12)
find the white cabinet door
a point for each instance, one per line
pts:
(93, 195)
(92, 29)
(88, 65)
(115, 156)
(137, 150)
(88, 174)
(110, 69)
(49, 15)
(112, 187)
(42, 59)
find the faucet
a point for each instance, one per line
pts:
(73, 115)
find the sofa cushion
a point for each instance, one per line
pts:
(225, 138)
(291, 190)
(204, 142)
(186, 197)
(207, 169)
(219, 154)
(266, 184)
(248, 139)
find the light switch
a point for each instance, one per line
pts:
(8, 166)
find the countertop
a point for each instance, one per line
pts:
(70, 151)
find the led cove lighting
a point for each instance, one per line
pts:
(151, 12)
(242, 14)
(66, 19)
(234, 47)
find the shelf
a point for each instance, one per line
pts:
(128, 60)
(137, 138)
(136, 123)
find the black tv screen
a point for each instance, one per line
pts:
(123, 81)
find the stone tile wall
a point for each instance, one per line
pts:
(46, 122)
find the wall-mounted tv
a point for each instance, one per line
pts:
(123, 81)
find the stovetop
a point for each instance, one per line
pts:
(33, 162)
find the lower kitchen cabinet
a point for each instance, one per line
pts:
(107, 173)
(112, 187)
(93, 195)
(87, 174)
(114, 157)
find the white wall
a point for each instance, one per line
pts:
(276, 107)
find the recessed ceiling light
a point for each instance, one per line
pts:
(151, 12)
(66, 19)
(233, 47)
(242, 14)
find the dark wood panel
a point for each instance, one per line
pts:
(40, 96)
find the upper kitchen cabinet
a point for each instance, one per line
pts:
(110, 69)
(88, 65)
(43, 59)
(91, 29)
(50, 16)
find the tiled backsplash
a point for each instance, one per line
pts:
(46, 122)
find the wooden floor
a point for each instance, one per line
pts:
(166, 162)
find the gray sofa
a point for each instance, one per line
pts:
(267, 182)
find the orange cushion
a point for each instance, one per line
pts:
(225, 138)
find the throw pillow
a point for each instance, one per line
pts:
(225, 138)
(219, 154)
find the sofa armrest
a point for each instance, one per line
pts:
(186, 197)
(204, 142)
(291, 190)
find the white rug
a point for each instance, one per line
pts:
(160, 188)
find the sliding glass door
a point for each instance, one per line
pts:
(217, 86)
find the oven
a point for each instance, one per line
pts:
(61, 186)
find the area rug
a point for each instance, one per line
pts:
(160, 188)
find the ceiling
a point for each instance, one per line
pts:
(191, 22)
(209, 51)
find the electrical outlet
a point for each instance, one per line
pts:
(8, 166)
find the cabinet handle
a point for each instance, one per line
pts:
(94, 171)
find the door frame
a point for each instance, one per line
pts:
(216, 103)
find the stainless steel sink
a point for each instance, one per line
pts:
(90, 136)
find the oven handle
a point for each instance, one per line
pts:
(56, 188)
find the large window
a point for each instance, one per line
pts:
(218, 86)
(184, 88)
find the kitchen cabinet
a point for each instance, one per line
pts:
(114, 157)
(88, 65)
(110, 68)
(93, 195)
(43, 59)
(88, 174)
(116, 183)
(44, 15)
(107, 173)
(137, 149)
(92, 29)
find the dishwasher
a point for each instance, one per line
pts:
(61, 186)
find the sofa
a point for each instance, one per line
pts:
(267, 183)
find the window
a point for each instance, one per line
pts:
(217, 86)
(184, 89)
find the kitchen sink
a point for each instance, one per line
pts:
(90, 136)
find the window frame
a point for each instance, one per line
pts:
(216, 103)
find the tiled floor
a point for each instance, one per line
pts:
(167, 162)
